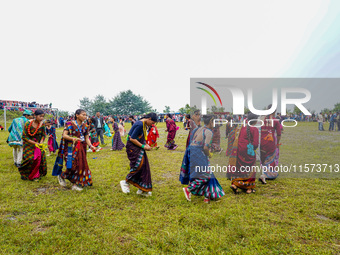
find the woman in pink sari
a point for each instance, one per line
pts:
(171, 128)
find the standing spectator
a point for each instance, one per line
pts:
(320, 120)
(99, 124)
(331, 121)
(15, 136)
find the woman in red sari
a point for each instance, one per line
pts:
(152, 137)
(269, 148)
(73, 151)
(243, 158)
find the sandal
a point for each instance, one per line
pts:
(234, 190)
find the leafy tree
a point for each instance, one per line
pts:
(167, 109)
(126, 102)
(296, 110)
(215, 109)
(336, 107)
(182, 110)
(64, 113)
(99, 104)
(193, 109)
(325, 110)
(86, 104)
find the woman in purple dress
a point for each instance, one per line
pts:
(117, 143)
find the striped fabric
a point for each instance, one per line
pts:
(28, 152)
(16, 130)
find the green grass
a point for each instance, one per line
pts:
(287, 216)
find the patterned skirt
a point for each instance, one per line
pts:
(207, 187)
(29, 163)
(269, 163)
(52, 144)
(170, 142)
(117, 143)
(140, 175)
(80, 173)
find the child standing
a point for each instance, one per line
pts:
(93, 135)
(52, 138)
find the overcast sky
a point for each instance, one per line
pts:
(62, 51)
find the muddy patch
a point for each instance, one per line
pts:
(47, 190)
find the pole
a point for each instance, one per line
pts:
(5, 118)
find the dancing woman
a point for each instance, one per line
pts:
(269, 147)
(34, 164)
(152, 137)
(188, 127)
(171, 128)
(136, 147)
(196, 165)
(73, 151)
(117, 143)
(243, 158)
(230, 133)
(121, 127)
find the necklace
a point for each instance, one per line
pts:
(82, 138)
(29, 129)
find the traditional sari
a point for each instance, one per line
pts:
(171, 128)
(230, 133)
(241, 173)
(34, 163)
(188, 127)
(268, 148)
(216, 140)
(117, 143)
(52, 139)
(152, 136)
(140, 174)
(74, 154)
(121, 128)
(196, 167)
(107, 131)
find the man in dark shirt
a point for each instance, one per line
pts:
(99, 124)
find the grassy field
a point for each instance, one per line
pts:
(287, 216)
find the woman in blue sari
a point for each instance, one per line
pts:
(196, 165)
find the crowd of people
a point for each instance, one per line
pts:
(22, 106)
(83, 134)
(333, 118)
